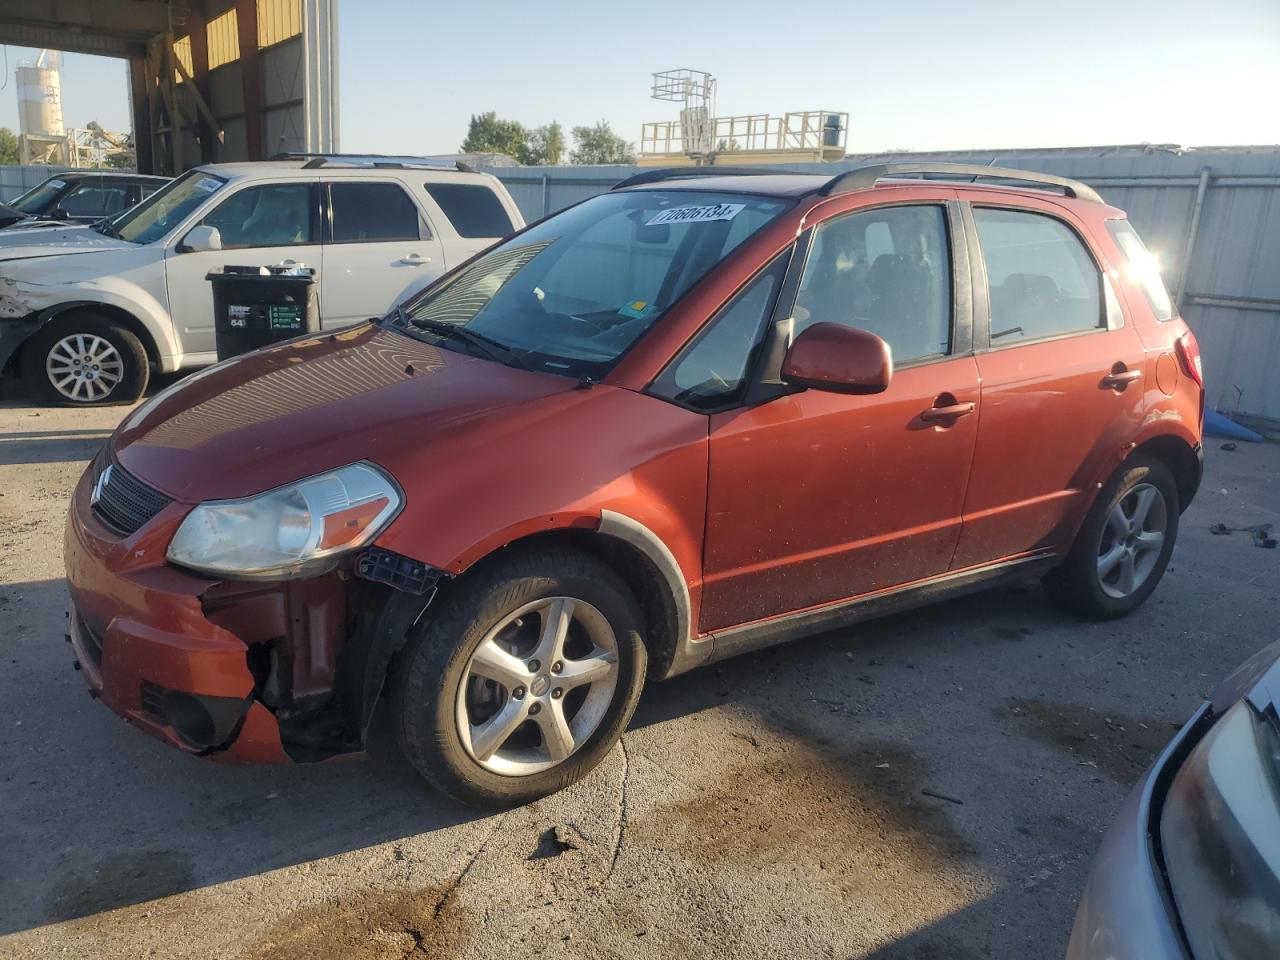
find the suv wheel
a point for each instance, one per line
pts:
(1123, 546)
(84, 360)
(522, 679)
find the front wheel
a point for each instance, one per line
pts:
(1124, 545)
(522, 679)
(83, 359)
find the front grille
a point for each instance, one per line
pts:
(123, 501)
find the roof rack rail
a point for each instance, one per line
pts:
(863, 177)
(680, 173)
(315, 160)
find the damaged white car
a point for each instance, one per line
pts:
(86, 313)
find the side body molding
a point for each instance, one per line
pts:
(689, 651)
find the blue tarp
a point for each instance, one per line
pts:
(1216, 425)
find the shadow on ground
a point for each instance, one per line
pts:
(56, 446)
(117, 819)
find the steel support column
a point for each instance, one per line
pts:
(251, 76)
(320, 68)
(140, 94)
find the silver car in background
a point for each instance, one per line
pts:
(1191, 868)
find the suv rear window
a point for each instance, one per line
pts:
(474, 211)
(1142, 267)
(370, 212)
(1043, 282)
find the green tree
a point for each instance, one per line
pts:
(545, 145)
(121, 158)
(599, 144)
(488, 134)
(8, 146)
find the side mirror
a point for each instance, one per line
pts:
(839, 359)
(201, 239)
(58, 213)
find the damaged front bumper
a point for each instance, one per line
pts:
(243, 672)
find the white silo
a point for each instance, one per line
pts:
(40, 98)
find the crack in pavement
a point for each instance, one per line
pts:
(622, 808)
(462, 874)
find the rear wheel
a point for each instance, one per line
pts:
(522, 679)
(1123, 546)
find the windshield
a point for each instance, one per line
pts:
(571, 294)
(40, 199)
(164, 209)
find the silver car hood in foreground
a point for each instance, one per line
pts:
(1126, 911)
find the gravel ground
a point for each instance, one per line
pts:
(788, 803)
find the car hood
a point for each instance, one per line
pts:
(1256, 680)
(291, 411)
(20, 243)
(10, 215)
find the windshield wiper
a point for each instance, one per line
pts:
(493, 349)
(106, 229)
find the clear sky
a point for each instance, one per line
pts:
(929, 74)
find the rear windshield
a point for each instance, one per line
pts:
(1142, 267)
(166, 208)
(571, 294)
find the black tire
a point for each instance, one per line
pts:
(133, 373)
(429, 672)
(1077, 585)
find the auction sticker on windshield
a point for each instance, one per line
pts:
(714, 211)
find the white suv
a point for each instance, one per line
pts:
(86, 312)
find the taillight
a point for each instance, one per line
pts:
(1189, 354)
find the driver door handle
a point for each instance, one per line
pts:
(414, 259)
(948, 413)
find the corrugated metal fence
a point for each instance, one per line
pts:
(17, 180)
(1212, 216)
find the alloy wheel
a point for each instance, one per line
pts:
(1131, 541)
(84, 367)
(537, 686)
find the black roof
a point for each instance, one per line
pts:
(72, 175)
(765, 184)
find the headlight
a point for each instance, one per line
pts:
(292, 531)
(1220, 835)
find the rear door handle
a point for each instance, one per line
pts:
(415, 259)
(951, 412)
(1121, 379)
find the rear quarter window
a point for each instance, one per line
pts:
(1142, 267)
(473, 209)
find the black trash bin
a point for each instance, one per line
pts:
(257, 306)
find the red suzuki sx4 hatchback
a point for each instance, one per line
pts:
(691, 417)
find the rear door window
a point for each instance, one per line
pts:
(371, 213)
(474, 210)
(1042, 281)
(886, 270)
